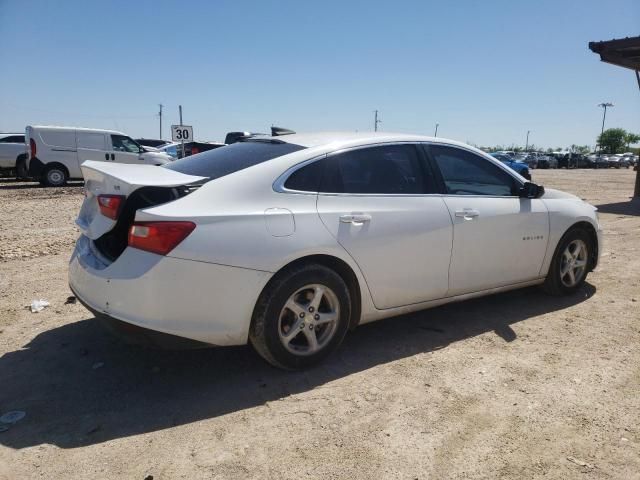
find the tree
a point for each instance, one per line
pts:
(613, 140)
(631, 138)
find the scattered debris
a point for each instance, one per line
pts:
(97, 365)
(12, 417)
(38, 305)
(148, 477)
(71, 300)
(580, 462)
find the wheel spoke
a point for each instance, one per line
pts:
(318, 293)
(568, 255)
(572, 276)
(312, 340)
(326, 318)
(579, 263)
(564, 270)
(295, 307)
(293, 331)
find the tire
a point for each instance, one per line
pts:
(559, 283)
(54, 176)
(286, 306)
(21, 168)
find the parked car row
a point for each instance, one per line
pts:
(563, 159)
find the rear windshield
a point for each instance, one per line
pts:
(232, 158)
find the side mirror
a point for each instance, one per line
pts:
(531, 190)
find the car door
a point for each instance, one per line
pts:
(499, 238)
(125, 150)
(381, 205)
(92, 146)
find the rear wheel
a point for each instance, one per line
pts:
(54, 176)
(570, 264)
(301, 317)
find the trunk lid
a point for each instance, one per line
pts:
(102, 178)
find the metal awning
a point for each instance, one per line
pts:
(622, 52)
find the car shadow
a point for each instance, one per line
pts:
(80, 386)
(24, 185)
(632, 207)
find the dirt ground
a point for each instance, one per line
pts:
(517, 385)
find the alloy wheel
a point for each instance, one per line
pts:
(573, 264)
(309, 319)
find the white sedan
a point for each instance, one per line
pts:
(289, 241)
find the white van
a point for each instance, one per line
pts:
(56, 153)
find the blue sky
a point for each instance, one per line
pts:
(486, 71)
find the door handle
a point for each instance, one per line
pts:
(467, 213)
(113, 156)
(355, 219)
(106, 156)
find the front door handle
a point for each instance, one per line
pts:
(355, 218)
(106, 156)
(467, 213)
(113, 156)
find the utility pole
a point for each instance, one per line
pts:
(526, 147)
(376, 121)
(436, 132)
(160, 115)
(604, 105)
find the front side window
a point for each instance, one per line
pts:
(465, 173)
(124, 144)
(387, 169)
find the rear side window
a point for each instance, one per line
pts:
(61, 139)
(465, 173)
(92, 141)
(232, 158)
(388, 169)
(13, 139)
(307, 178)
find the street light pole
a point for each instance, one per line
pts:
(526, 147)
(604, 105)
(436, 132)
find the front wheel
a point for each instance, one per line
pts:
(570, 263)
(301, 317)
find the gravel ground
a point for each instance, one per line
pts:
(517, 385)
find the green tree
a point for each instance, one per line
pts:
(613, 140)
(631, 138)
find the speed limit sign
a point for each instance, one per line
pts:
(181, 133)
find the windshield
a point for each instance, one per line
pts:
(232, 158)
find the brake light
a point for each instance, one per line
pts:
(159, 237)
(32, 145)
(110, 205)
(194, 150)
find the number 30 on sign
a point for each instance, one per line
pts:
(181, 133)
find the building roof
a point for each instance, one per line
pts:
(623, 52)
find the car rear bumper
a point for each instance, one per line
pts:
(196, 300)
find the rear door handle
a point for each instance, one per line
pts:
(467, 213)
(106, 156)
(355, 218)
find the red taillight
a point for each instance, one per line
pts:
(194, 150)
(110, 205)
(159, 237)
(32, 145)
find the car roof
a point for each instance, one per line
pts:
(319, 139)
(80, 129)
